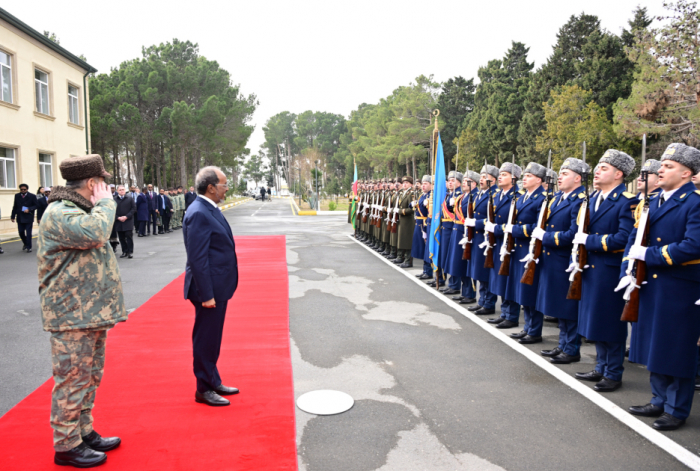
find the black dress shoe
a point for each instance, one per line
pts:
(123, 255)
(467, 301)
(647, 410)
(607, 385)
(590, 376)
(518, 335)
(423, 276)
(627, 352)
(668, 422)
(24, 248)
(82, 456)
(140, 235)
(496, 320)
(564, 359)
(131, 255)
(483, 311)
(474, 308)
(210, 398)
(407, 264)
(1, 250)
(450, 291)
(551, 353)
(397, 261)
(697, 379)
(225, 390)
(98, 443)
(29, 250)
(529, 339)
(550, 319)
(506, 324)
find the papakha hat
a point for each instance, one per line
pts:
(82, 167)
(684, 155)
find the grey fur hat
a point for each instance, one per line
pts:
(512, 168)
(536, 169)
(551, 173)
(473, 176)
(426, 179)
(490, 170)
(619, 160)
(456, 175)
(575, 165)
(684, 155)
(652, 166)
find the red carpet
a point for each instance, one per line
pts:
(147, 393)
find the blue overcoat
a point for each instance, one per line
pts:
(501, 200)
(525, 222)
(446, 228)
(141, 207)
(418, 243)
(476, 266)
(666, 335)
(609, 229)
(455, 265)
(556, 255)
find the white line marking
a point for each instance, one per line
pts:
(676, 450)
(23, 312)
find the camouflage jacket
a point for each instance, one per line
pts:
(79, 282)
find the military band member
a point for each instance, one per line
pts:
(652, 167)
(406, 224)
(528, 208)
(665, 337)
(611, 221)
(487, 185)
(507, 179)
(557, 240)
(420, 232)
(447, 237)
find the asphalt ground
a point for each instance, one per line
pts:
(434, 390)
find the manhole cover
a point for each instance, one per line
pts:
(325, 402)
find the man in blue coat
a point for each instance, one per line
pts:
(510, 310)
(454, 282)
(557, 240)
(651, 166)
(470, 183)
(666, 334)
(487, 185)
(152, 199)
(211, 279)
(528, 207)
(611, 221)
(142, 212)
(419, 233)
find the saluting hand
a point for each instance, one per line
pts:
(99, 192)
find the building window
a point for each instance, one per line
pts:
(41, 83)
(45, 173)
(5, 77)
(73, 105)
(7, 168)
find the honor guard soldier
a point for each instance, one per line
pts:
(666, 334)
(507, 181)
(557, 240)
(457, 267)
(487, 184)
(394, 236)
(406, 225)
(651, 166)
(426, 257)
(440, 274)
(470, 185)
(527, 207)
(420, 232)
(447, 236)
(611, 221)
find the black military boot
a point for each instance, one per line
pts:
(98, 443)
(82, 456)
(408, 263)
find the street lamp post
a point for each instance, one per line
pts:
(318, 203)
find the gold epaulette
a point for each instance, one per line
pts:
(638, 214)
(581, 195)
(628, 195)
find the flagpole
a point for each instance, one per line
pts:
(436, 132)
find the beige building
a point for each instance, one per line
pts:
(43, 113)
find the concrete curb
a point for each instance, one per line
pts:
(231, 205)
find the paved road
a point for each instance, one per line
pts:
(433, 389)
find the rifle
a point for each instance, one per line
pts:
(364, 213)
(507, 246)
(468, 231)
(395, 215)
(637, 269)
(579, 254)
(489, 237)
(380, 209)
(535, 251)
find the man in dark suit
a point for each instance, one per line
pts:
(190, 196)
(23, 211)
(152, 199)
(124, 221)
(211, 279)
(42, 202)
(165, 210)
(142, 212)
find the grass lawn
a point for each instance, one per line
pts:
(341, 205)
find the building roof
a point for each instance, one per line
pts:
(25, 28)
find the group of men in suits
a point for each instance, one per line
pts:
(487, 222)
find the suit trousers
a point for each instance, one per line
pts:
(152, 220)
(610, 357)
(206, 344)
(570, 339)
(487, 299)
(25, 233)
(165, 219)
(533, 321)
(455, 282)
(672, 393)
(142, 227)
(468, 288)
(126, 240)
(510, 310)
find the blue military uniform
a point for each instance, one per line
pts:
(527, 212)
(510, 310)
(600, 307)
(418, 248)
(554, 283)
(458, 266)
(477, 271)
(666, 334)
(448, 222)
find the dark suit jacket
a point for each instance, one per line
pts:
(30, 202)
(42, 203)
(212, 266)
(168, 205)
(189, 199)
(125, 207)
(142, 207)
(152, 201)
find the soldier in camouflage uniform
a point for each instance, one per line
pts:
(81, 298)
(180, 203)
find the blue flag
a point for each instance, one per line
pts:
(439, 192)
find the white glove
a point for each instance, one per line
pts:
(508, 229)
(638, 252)
(425, 236)
(396, 210)
(490, 227)
(452, 201)
(470, 222)
(538, 233)
(580, 238)
(413, 203)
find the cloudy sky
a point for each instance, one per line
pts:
(320, 55)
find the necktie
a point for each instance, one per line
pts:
(600, 200)
(662, 199)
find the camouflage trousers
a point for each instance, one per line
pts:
(176, 220)
(78, 358)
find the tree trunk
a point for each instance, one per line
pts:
(183, 166)
(139, 162)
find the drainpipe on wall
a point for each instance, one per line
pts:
(87, 122)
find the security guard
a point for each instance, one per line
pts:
(557, 240)
(611, 221)
(666, 334)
